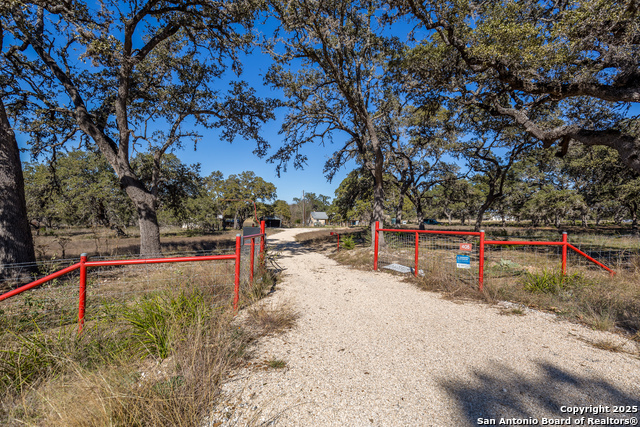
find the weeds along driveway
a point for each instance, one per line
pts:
(369, 349)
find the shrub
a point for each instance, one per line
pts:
(155, 319)
(550, 282)
(348, 243)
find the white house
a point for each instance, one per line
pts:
(318, 219)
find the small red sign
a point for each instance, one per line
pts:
(466, 246)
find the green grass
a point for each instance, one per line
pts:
(348, 243)
(276, 363)
(155, 360)
(551, 281)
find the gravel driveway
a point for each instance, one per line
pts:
(371, 350)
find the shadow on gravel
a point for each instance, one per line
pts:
(290, 249)
(509, 395)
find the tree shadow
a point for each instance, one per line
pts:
(290, 249)
(508, 394)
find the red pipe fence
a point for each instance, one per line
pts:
(336, 234)
(481, 248)
(84, 263)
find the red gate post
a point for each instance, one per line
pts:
(564, 253)
(481, 262)
(82, 295)
(262, 241)
(338, 242)
(253, 249)
(236, 290)
(415, 272)
(375, 248)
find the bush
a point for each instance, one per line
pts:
(155, 320)
(348, 243)
(550, 282)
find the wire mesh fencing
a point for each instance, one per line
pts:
(511, 261)
(55, 303)
(443, 257)
(449, 256)
(109, 284)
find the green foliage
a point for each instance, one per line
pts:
(175, 184)
(155, 320)
(79, 188)
(32, 355)
(77, 76)
(246, 187)
(276, 363)
(551, 282)
(281, 209)
(354, 196)
(348, 243)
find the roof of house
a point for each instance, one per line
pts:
(319, 215)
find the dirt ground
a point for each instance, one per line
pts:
(370, 349)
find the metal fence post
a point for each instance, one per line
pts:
(236, 290)
(481, 262)
(262, 241)
(82, 295)
(375, 248)
(564, 253)
(253, 249)
(415, 272)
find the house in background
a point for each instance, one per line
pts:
(318, 219)
(272, 221)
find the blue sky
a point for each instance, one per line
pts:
(215, 155)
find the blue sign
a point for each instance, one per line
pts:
(463, 261)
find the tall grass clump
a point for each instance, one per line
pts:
(550, 281)
(159, 360)
(348, 243)
(156, 320)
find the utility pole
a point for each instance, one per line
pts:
(303, 212)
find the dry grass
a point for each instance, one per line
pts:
(268, 319)
(275, 363)
(600, 301)
(153, 355)
(512, 312)
(361, 258)
(116, 381)
(608, 345)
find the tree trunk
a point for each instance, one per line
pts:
(16, 242)
(399, 207)
(378, 196)
(145, 204)
(420, 217)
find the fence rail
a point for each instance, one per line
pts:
(447, 244)
(237, 257)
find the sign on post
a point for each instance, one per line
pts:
(463, 261)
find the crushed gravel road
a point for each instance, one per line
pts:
(372, 350)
